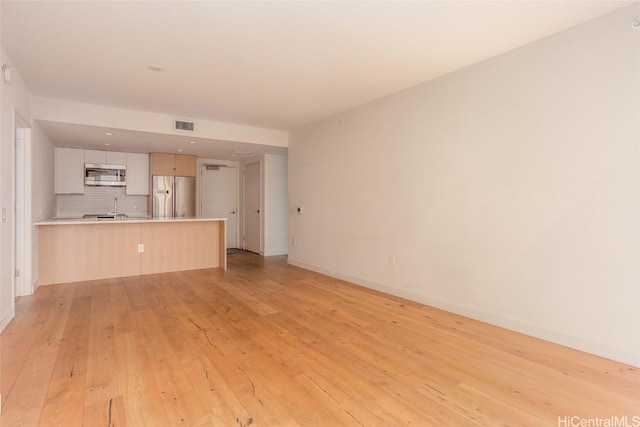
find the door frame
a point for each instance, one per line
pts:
(202, 166)
(244, 199)
(22, 226)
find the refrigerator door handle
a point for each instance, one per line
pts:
(175, 213)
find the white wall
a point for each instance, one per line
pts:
(15, 100)
(507, 191)
(43, 200)
(6, 310)
(275, 205)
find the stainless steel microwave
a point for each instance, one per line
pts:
(108, 175)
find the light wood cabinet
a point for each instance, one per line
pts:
(172, 164)
(185, 165)
(90, 250)
(161, 164)
(69, 171)
(137, 174)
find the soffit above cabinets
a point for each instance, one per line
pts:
(96, 138)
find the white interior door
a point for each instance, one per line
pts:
(252, 214)
(219, 197)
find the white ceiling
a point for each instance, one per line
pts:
(271, 64)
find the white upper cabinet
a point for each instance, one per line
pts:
(69, 170)
(105, 157)
(95, 156)
(137, 174)
(116, 158)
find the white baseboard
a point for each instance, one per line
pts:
(277, 252)
(516, 325)
(7, 317)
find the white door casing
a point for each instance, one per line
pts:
(18, 230)
(219, 197)
(252, 209)
(22, 208)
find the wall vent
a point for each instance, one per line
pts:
(210, 167)
(182, 125)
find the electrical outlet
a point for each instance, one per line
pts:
(141, 248)
(391, 261)
(293, 241)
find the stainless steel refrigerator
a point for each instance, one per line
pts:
(174, 197)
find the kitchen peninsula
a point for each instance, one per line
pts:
(78, 250)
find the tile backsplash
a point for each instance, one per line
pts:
(99, 200)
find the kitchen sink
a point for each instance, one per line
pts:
(105, 216)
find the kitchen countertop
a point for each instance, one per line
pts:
(80, 221)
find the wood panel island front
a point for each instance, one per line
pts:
(78, 250)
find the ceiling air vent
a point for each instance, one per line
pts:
(182, 125)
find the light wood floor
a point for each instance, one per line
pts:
(269, 344)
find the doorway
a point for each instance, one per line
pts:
(22, 208)
(252, 210)
(219, 197)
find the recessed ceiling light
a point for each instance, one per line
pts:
(155, 67)
(241, 153)
(180, 151)
(192, 142)
(107, 144)
(108, 134)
